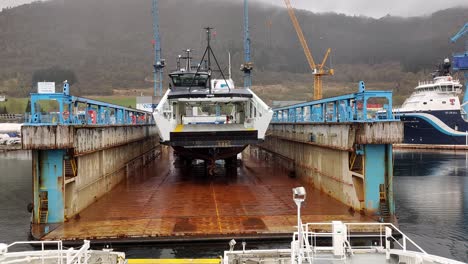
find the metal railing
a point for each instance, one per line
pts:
(337, 242)
(43, 255)
(54, 252)
(11, 116)
(344, 108)
(375, 230)
(390, 240)
(74, 110)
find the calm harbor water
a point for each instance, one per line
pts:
(431, 196)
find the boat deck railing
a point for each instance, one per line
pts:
(382, 235)
(420, 83)
(49, 250)
(54, 252)
(339, 242)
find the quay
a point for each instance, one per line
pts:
(103, 175)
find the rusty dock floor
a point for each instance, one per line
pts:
(165, 201)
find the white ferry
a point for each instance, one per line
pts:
(208, 118)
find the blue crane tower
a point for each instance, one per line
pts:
(158, 62)
(248, 65)
(460, 62)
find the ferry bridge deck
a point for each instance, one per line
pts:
(167, 200)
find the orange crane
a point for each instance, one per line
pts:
(317, 70)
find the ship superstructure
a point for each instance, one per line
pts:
(208, 118)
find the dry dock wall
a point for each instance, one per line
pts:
(352, 162)
(75, 165)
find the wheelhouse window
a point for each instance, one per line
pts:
(189, 79)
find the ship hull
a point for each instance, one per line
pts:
(208, 154)
(214, 138)
(443, 127)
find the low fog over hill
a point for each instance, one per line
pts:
(107, 43)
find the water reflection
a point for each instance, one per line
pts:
(15, 194)
(431, 192)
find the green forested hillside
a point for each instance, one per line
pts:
(107, 43)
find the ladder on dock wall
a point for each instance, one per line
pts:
(383, 205)
(70, 167)
(43, 207)
(356, 163)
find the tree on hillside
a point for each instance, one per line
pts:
(28, 107)
(54, 74)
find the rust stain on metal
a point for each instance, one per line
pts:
(254, 223)
(184, 225)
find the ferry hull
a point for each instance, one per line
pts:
(213, 139)
(209, 154)
(212, 145)
(445, 127)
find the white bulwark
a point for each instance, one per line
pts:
(45, 87)
(2, 98)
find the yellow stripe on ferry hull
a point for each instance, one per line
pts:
(179, 128)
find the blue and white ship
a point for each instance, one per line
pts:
(433, 114)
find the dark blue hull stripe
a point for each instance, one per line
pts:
(424, 128)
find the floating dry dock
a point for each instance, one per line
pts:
(94, 176)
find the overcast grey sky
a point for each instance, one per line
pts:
(373, 8)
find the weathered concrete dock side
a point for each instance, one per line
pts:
(78, 156)
(340, 149)
(73, 166)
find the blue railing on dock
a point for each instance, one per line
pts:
(74, 110)
(344, 108)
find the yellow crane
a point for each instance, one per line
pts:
(317, 70)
